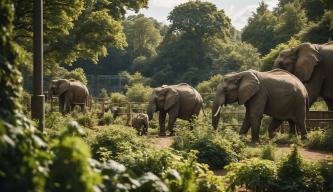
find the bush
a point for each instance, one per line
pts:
(103, 93)
(322, 140)
(117, 98)
(254, 174)
(326, 170)
(77, 74)
(105, 120)
(268, 152)
(138, 93)
(86, 120)
(215, 149)
(284, 138)
(118, 140)
(294, 174)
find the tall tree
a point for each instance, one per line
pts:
(291, 21)
(182, 55)
(74, 28)
(260, 29)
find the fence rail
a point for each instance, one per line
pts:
(314, 120)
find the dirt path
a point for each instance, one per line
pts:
(162, 142)
(312, 155)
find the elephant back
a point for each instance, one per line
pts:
(80, 92)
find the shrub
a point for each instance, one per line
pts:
(77, 74)
(326, 170)
(117, 140)
(215, 149)
(284, 138)
(267, 152)
(86, 120)
(255, 174)
(70, 170)
(117, 97)
(294, 174)
(105, 120)
(138, 93)
(322, 140)
(103, 93)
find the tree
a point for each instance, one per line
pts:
(74, 29)
(291, 21)
(182, 55)
(319, 32)
(260, 29)
(315, 9)
(142, 36)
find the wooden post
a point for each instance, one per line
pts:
(129, 114)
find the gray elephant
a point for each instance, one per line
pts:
(70, 93)
(178, 101)
(140, 122)
(276, 93)
(313, 65)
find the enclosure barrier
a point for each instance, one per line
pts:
(314, 120)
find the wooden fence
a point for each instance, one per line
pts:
(314, 120)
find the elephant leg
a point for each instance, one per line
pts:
(301, 125)
(292, 127)
(255, 127)
(171, 123)
(61, 104)
(246, 124)
(162, 123)
(275, 123)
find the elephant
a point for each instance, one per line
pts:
(178, 101)
(313, 65)
(70, 93)
(140, 122)
(276, 93)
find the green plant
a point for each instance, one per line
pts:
(138, 93)
(86, 120)
(103, 93)
(284, 138)
(267, 152)
(326, 170)
(77, 74)
(305, 176)
(254, 174)
(116, 97)
(105, 120)
(320, 139)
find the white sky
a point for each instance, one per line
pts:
(238, 10)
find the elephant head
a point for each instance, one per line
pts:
(58, 87)
(162, 98)
(234, 87)
(300, 60)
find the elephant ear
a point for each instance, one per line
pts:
(171, 97)
(307, 58)
(63, 86)
(248, 86)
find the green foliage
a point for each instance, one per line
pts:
(77, 74)
(285, 138)
(268, 60)
(86, 120)
(268, 152)
(210, 85)
(260, 29)
(103, 93)
(138, 93)
(214, 149)
(132, 79)
(116, 139)
(291, 21)
(319, 32)
(319, 139)
(116, 97)
(70, 169)
(255, 174)
(305, 176)
(105, 120)
(326, 170)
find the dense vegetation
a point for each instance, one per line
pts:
(97, 152)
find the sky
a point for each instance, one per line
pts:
(238, 10)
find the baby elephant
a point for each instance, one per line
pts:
(140, 122)
(276, 93)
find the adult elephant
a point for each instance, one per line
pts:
(70, 93)
(313, 65)
(178, 101)
(276, 93)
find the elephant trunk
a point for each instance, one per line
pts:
(218, 102)
(151, 109)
